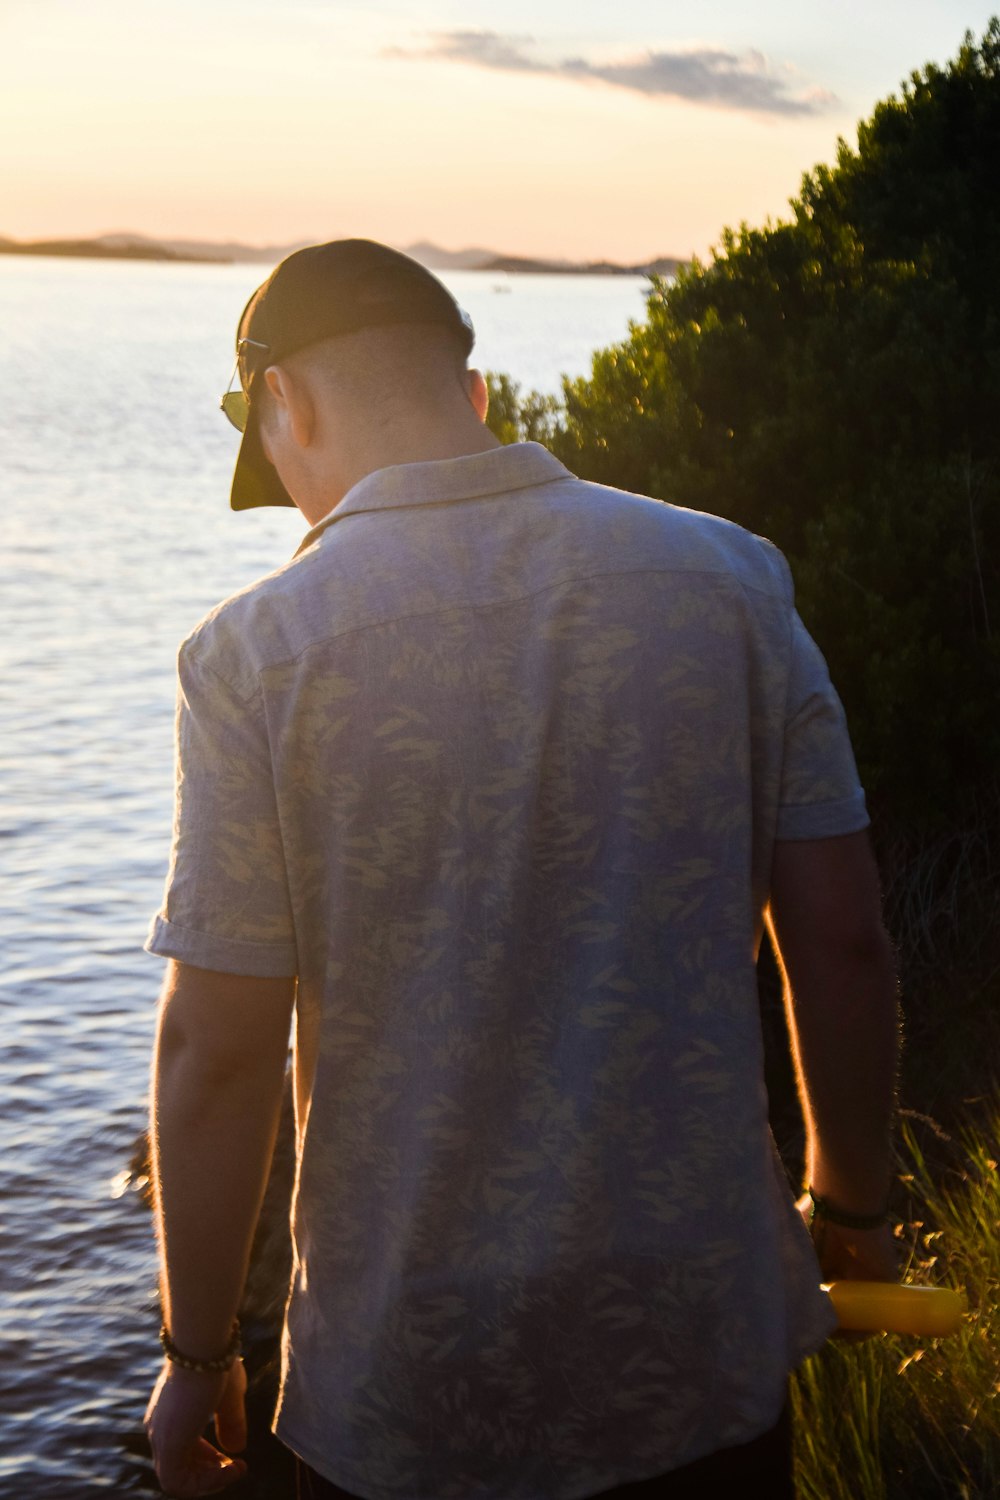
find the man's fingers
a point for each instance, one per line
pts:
(230, 1416)
(202, 1471)
(230, 1471)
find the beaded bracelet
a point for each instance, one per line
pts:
(203, 1366)
(823, 1209)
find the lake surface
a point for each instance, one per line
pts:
(115, 538)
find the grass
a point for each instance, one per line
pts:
(897, 1418)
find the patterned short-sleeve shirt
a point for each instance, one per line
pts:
(495, 765)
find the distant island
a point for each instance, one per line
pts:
(477, 259)
(663, 265)
(127, 246)
(98, 249)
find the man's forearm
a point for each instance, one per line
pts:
(840, 995)
(213, 1125)
(845, 1038)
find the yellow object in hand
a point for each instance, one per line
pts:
(891, 1307)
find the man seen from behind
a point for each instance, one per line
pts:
(485, 798)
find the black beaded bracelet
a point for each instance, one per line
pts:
(203, 1366)
(823, 1209)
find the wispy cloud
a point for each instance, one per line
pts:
(702, 75)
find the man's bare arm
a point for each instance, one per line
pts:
(825, 916)
(218, 1072)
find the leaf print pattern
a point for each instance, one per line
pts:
(496, 766)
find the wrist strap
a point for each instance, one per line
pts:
(203, 1366)
(823, 1209)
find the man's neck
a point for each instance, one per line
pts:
(387, 449)
(420, 446)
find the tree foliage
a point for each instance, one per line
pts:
(833, 382)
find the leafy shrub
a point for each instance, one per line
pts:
(833, 382)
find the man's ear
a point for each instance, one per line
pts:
(478, 392)
(292, 403)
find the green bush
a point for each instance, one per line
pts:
(833, 382)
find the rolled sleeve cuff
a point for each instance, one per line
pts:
(224, 955)
(823, 820)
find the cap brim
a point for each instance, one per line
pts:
(255, 479)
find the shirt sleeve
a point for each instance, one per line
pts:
(821, 796)
(226, 905)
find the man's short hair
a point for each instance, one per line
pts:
(331, 293)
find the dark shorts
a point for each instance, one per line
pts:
(764, 1466)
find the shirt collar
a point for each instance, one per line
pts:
(516, 466)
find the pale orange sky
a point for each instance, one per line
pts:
(585, 134)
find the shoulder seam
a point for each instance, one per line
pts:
(187, 651)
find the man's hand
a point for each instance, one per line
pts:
(851, 1255)
(180, 1408)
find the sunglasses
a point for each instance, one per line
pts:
(236, 404)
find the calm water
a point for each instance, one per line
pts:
(115, 537)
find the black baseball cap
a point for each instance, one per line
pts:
(318, 293)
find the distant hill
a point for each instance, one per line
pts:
(224, 250)
(127, 246)
(96, 250)
(436, 259)
(664, 265)
(478, 259)
(124, 245)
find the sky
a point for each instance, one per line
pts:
(572, 128)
